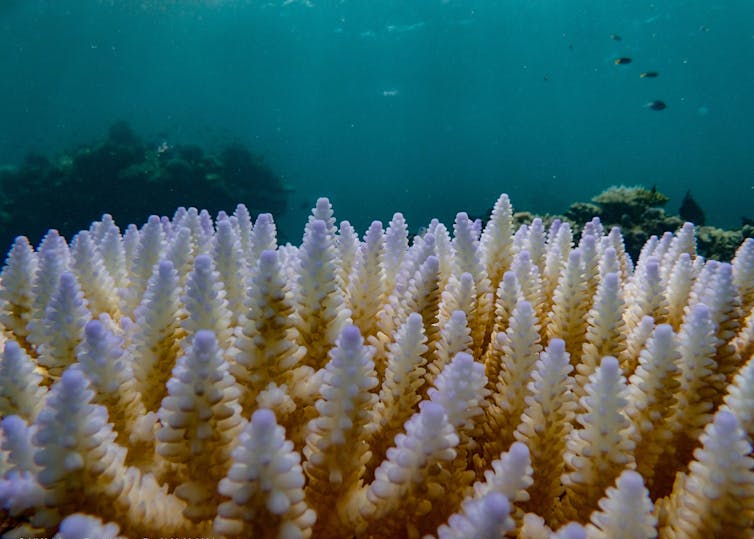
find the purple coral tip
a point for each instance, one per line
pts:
(611, 280)
(497, 505)
(432, 412)
(631, 482)
(432, 262)
(263, 219)
(725, 422)
(204, 340)
(609, 366)
(263, 420)
(318, 226)
(350, 336)
(463, 360)
(572, 530)
(519, 453)
(94, 329)
(67, 279)
(664, 332)
(166, 267)
(556, 346)
(72, 378)
(12, 348)
(268, 257)
(203, 262)
(458, 317)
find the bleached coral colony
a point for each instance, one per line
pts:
(194, 378)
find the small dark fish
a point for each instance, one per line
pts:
(649, 75)
(616, 37)
(656, 105)
(622, 61)
(703, 28)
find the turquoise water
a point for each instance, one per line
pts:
(427, 109)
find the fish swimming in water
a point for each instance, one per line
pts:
(616, 37)
(656, 105)
(622, 61)
(649, 75)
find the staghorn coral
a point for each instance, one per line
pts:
(192, 377)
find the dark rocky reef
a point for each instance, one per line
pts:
(636, 210)
(640, 214)
(131, 179)
(628, 205)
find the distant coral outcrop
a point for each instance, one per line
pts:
(130, 178)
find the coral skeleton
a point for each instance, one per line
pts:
(192, 377)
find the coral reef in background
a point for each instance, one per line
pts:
(192, 377)
(628, 203)
(133, 179)
(639, 213)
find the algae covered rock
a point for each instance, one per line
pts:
(130, 178)
(620, 202)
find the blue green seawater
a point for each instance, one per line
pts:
(427, 107)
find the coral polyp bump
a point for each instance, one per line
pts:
(192, 377)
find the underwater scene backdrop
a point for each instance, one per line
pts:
(425, 107)
(504, 371)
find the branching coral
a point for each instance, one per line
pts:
(264, 486)
(192, 376)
